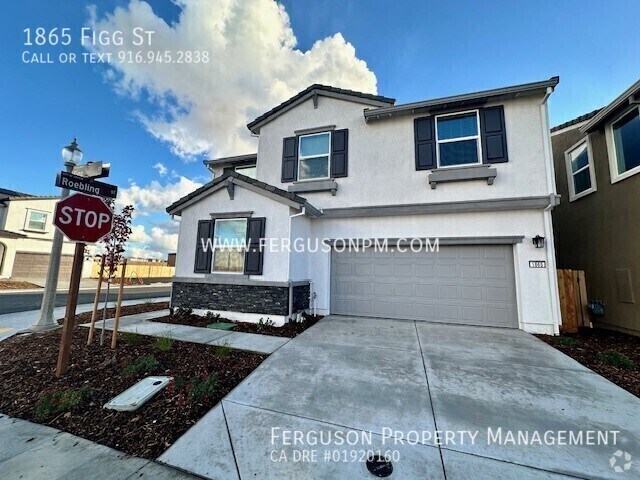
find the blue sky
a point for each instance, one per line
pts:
(416, 49)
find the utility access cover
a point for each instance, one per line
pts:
(132, 398)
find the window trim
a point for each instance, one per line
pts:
(477, 137)
(590, 164)
(27, 220)
(611, 149)
(215, 249)
(302, 157)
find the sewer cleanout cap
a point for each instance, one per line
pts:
(379, 466)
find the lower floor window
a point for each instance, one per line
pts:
(229, 245)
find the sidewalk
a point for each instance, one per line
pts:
(32, 451)
(12, 323)
(142, 323)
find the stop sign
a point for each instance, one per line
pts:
(83, 218)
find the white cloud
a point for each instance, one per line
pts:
(156, 244)
(162, 170)
(253, 66)
(155, 197)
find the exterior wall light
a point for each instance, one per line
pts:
(538, 241)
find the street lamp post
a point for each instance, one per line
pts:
(71, 155)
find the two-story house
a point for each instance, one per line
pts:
(26, 237)
(340, 174)
(597, 162)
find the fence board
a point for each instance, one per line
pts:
(573, 300)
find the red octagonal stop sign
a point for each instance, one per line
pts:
(83, 218)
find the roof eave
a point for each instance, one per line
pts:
(466, 99)
(627, 97)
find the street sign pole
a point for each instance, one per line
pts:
(46, 320)
(64, 354)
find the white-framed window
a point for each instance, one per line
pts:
(458, 139)
(623, 144)
(229, 239)
(581, 174)
(314, 156)
(36, 221)
(248, 170)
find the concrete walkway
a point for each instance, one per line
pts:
(142, 323)
(12, 323)
(380, 381)
(31, 451)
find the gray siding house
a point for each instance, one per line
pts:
(597, 225)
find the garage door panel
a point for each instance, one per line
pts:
(458, 284)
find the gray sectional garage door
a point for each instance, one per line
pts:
(471, 284)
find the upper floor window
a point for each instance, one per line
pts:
(458, 139)
(248, 170)
(314, 155)
(624, 136)
(580, 170)
(36, 221)
(229, 239)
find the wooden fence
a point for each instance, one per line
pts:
(143, 270)
(572, 288)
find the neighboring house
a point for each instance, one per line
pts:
(597, 162)
(473, 171)
(26, 236)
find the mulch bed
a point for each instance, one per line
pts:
(28, 365)
(126, 310)
(589, 346)
(289, 330)
(15, 285)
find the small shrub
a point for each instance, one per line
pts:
(616, 359)
(202, 388)
(566, 341)
(212, 317)
(223, 350)
(265, 324)
(183, 312)
(163, 343)
(51, 404)
(132, 338)
(144, 364)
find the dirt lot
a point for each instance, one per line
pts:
(126, 310)
(15, 285)
(203, 374)
(615, 356)
(288, 330)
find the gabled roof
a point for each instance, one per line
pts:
(234, 178)
(313, 91)
(8, 234)
(6, 193)
(629, 96)
(456, 101)
(576, 121)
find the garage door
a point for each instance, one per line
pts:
(32, 266)
(471, 284)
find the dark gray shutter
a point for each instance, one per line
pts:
(339, 153)
(289, 159)
(254, 255)
(494, 135)
(425, 143)
(203, 257)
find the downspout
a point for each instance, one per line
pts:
(548, 224)
(291, 217)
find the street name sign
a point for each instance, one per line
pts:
(85, 185)
(83, 218)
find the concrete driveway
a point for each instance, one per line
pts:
(349, 385)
